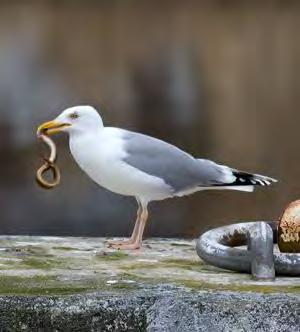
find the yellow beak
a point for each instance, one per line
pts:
(51, 127)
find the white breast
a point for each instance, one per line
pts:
(101, 156)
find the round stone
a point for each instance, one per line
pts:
(289, 229)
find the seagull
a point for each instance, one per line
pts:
(133, 164)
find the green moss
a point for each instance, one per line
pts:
(140, 266)
(266, 289)
(112, 256)
(123, 286)
(94, 271)
(51, 285)
(9, 265)
(185, 264)
(26, 285)
(198, 285)
(44, 264)
(130, 276)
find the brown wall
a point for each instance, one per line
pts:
(219, 79)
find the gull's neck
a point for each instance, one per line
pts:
(81, 141)
(83, 132)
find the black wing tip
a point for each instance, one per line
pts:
(247, 179)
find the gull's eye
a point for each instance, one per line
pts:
(74, 116)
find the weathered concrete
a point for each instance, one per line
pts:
(76, 284)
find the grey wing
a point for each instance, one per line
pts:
(177, 168)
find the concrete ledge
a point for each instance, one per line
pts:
(76, 284)
(157, 309)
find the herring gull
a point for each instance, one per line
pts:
(133, 164)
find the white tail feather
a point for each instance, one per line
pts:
(239, 188)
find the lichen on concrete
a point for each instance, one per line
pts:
(77, 284)
(56, 265)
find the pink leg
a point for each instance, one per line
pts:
(134, 233)
(137, 243)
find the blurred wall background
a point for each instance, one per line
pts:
(220, 79)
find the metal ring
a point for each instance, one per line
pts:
(217, 247)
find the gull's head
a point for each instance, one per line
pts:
(74, 119)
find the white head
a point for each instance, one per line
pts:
(78, 119)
